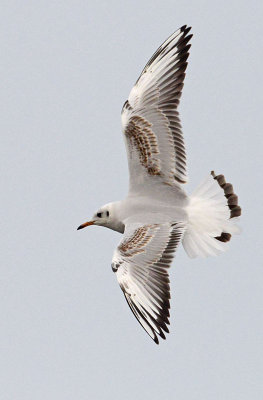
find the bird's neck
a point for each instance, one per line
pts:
(115, 222)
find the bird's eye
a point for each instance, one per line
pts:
(99, 215)
(107, 213)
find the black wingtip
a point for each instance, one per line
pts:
(185, 29)
(155, 339)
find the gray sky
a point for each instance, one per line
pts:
(66, 331)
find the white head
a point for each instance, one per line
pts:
(106, 216)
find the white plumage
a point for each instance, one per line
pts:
(157, 213)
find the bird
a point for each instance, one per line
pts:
(157, 213)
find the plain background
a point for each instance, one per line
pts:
(66, 331)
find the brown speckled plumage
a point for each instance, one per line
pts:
(136, 243)
(142, 139)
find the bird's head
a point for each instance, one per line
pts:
(104, 216)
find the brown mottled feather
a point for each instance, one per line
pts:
(232, 202)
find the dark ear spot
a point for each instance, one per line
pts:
(107, 213)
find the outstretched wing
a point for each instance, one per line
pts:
(150, 120)
(140, 263)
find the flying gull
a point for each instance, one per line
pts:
(157, 214)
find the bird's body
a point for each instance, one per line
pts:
(157, 214)
(158, 211)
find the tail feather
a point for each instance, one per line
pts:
(232, 199)
(212, 214)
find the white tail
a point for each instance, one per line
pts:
(212, 217)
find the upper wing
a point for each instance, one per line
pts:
(140, 263)
(150, 120)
